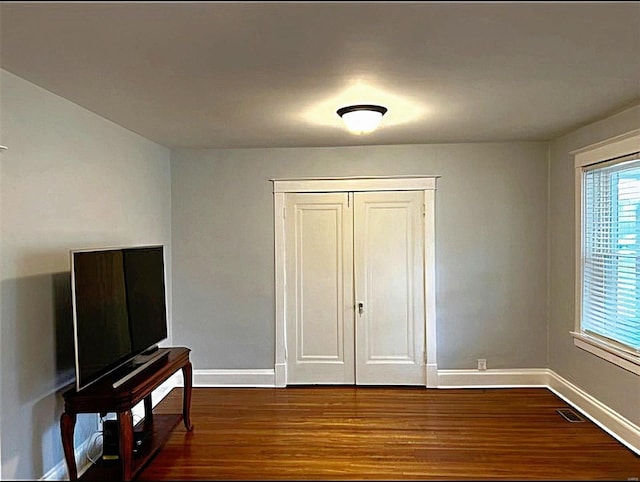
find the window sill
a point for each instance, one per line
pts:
(618, 357)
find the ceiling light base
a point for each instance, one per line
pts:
(362, 118)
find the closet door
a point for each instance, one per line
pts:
(389, 288)
(319, 289)
(355, 288)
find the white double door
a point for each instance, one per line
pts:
(354, 269)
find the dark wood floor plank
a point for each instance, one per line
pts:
(385, 433)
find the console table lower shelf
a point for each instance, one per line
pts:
(157, 427)
(111, 470)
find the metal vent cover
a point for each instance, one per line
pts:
(570, 415)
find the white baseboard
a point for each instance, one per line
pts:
(623, 430)
(526, 377)
(59, 471)
(234, 378)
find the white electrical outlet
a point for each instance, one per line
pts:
(482, 364)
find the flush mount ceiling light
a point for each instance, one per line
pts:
(362, 118)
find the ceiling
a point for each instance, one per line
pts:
(273, 74)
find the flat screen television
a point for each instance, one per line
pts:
(119, 310)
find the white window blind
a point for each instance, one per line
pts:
(611, 249)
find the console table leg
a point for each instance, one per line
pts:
(148, 413)
(187, 373)
(67, 427)
(125, 423)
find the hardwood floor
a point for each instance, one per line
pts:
(392, 433)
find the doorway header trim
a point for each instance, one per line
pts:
(355, 184)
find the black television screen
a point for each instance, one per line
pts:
(119, 307)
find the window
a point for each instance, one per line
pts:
(608, 251)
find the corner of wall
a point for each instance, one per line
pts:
(548, 267)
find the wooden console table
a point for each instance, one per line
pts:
(102, 398)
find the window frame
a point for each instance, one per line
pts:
(602, 152)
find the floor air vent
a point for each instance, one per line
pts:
(570, 415)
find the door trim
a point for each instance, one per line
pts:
(356, 184)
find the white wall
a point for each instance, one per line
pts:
(70, 179)
(491, 247)
(611, 385)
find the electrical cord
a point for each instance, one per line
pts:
(136, 419)
(94, 449)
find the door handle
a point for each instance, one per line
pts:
(360, 308)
